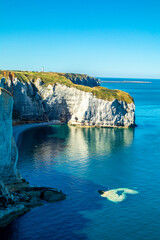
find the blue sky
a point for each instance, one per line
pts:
(116, 38)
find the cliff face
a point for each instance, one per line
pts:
(34, 101)
(28, 104)
(16, 195)
(78, 107)
(8, 150)
(8, 160)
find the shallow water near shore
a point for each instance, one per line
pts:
(80, 161)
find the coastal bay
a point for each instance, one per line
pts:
(80, 161)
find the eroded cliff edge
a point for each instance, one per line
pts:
(53, 96)
(16, 195)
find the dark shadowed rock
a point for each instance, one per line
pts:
(52, 196)
(101, 191)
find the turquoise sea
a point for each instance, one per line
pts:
(80, 161)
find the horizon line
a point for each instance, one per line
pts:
(130, 78)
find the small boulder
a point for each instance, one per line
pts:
(52, 196)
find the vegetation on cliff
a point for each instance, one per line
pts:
(62, 78)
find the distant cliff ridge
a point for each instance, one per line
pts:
(51, 96)
(83, 79)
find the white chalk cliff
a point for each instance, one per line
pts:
(8, 149)
(34, 101)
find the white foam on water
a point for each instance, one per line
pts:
(113, 196)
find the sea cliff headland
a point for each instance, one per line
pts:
(70, 98)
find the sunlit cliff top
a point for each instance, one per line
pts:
(63, 78)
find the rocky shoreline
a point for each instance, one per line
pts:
(22, 197)
(20, 128)
(19, 197)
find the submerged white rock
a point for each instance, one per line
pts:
(117, 195)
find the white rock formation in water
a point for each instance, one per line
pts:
(117, 195)
(35, 101)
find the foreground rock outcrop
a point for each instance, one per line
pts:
(16, 195)
(17, 199)
(53, 97)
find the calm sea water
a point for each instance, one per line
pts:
(82, 161)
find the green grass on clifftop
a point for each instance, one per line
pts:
(53, 78)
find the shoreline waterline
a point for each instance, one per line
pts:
(19, 129)
(30, 196)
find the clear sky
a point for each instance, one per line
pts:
(111, 38)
